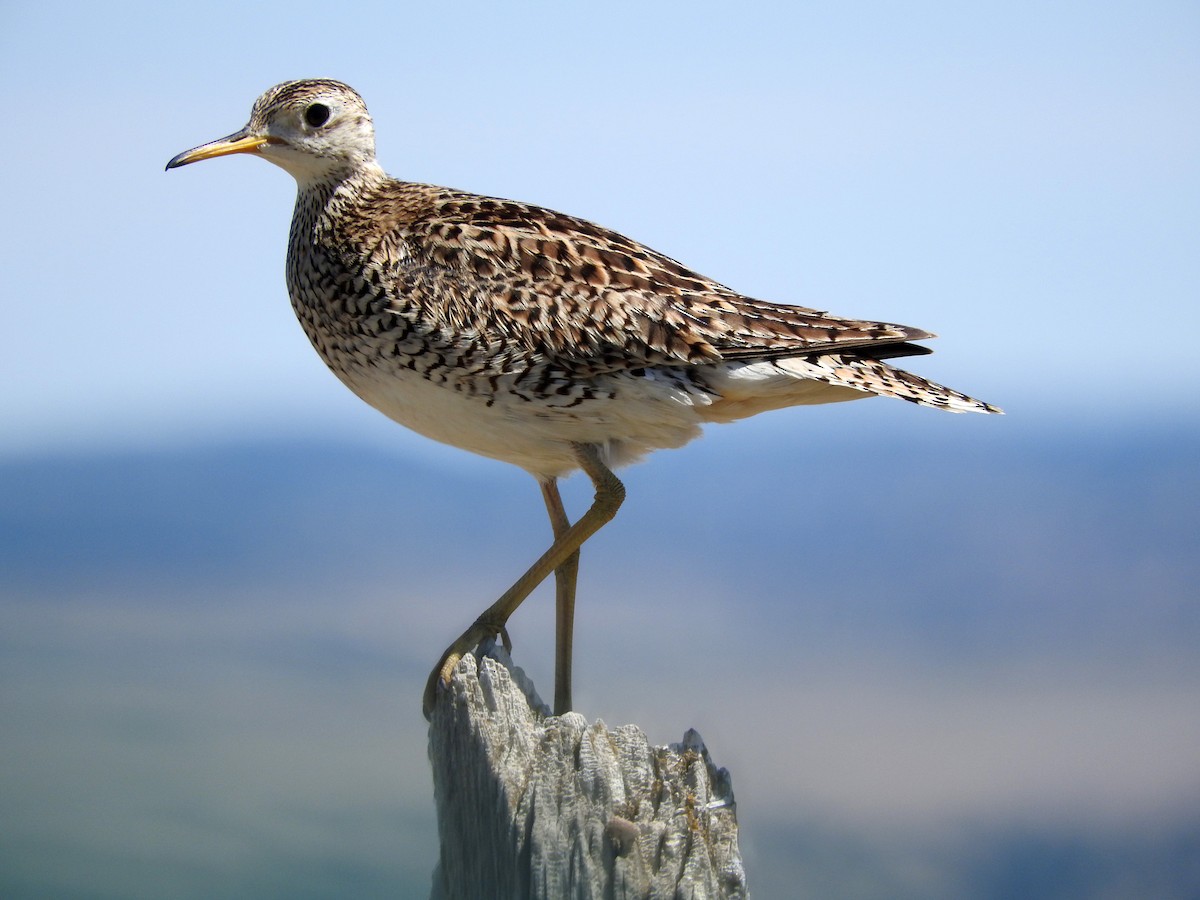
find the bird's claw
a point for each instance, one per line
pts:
(439, 678)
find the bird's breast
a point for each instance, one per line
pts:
(402, 342)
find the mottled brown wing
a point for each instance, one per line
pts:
(583, 294)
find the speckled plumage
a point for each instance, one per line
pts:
(524, 334)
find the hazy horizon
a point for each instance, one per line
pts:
(973, 669)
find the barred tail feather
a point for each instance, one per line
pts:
(873, 376)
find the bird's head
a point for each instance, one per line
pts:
(316, 129)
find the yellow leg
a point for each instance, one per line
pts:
(610, 493)
(564, 601)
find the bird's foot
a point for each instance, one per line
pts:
(439, 678)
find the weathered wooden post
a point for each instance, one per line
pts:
(549, 807)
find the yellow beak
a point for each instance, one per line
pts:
(238, 142)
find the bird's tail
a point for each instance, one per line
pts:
(874, 376)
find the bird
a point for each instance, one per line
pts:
(534, 337)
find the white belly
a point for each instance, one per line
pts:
(537, 436)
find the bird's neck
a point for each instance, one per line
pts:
(324, 198)
(328, 181)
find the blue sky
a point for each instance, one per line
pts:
(1022, 179)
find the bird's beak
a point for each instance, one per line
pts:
(238, 142)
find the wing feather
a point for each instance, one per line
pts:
(584, 295)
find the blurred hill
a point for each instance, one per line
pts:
(983, 538)
(977, 646)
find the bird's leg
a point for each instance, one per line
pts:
(564, 600)
(609, 495)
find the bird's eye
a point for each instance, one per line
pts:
(317, 115)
